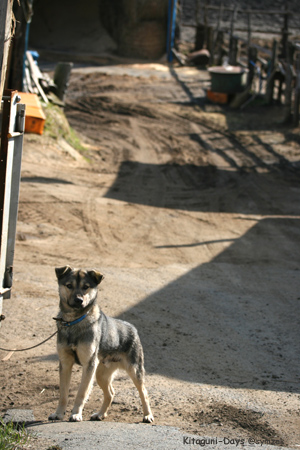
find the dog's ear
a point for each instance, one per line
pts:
(96, 276)
(62, 271)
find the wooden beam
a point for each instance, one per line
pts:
(253, 11)
(36, 76)
(297, 93)
(288, 85)
(252, 58)
(271, 75)
(5, 38)
(16, 65)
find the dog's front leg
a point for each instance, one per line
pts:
(88, 373)
(65, 370)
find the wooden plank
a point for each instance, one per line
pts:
(285, 34)
(217, 36)
(205, 21)
(252, 11)
(252, 59)
(297, 94)
(17, 49)
(264, 50)
(35, 75)
(200, 37)
(249, 29)
(197, 11)
(233, 51)
(5, 38)
(288, 86)
(271, 75)
(245, 30)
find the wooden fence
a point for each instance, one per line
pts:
(276, 63)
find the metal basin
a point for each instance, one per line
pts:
(228, 79)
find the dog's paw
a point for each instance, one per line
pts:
(75, 418)
(148, 419)
(56, 416)
(98, 416)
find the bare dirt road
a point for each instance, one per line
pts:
(192, 214)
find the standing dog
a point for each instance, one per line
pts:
(99, 343)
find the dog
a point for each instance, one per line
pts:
(100, 344)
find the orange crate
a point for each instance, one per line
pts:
(217, 97)
(35, 117)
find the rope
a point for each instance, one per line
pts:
(66, 324)
(29, 348)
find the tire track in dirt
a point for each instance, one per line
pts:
(145, 172)
(88, 215)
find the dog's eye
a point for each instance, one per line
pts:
(69, 286)
(86, 287)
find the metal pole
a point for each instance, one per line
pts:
(171, 27)
(10, 172)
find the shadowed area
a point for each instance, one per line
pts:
(206, 188)
(250, 347)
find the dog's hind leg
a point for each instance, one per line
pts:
(137, 376)
(104, 377)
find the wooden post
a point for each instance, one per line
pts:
(205, 22)
(288, 86)
(285, 32)
(297, 93)
(209, 38)
(233, 51)
(197, 12)
(15, 79)
(233, 42)
(5, 37)
(252, 58)
(217, 35)
(220, 52)
(249, 29)
(200, 37)
(271, 75)
(200, 34)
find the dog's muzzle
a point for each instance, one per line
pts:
(78, 301)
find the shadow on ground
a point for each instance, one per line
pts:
(230, 335)
(208, 189)
(231, 317)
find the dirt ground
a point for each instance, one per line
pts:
(191, 211)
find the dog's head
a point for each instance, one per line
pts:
(78, 288)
